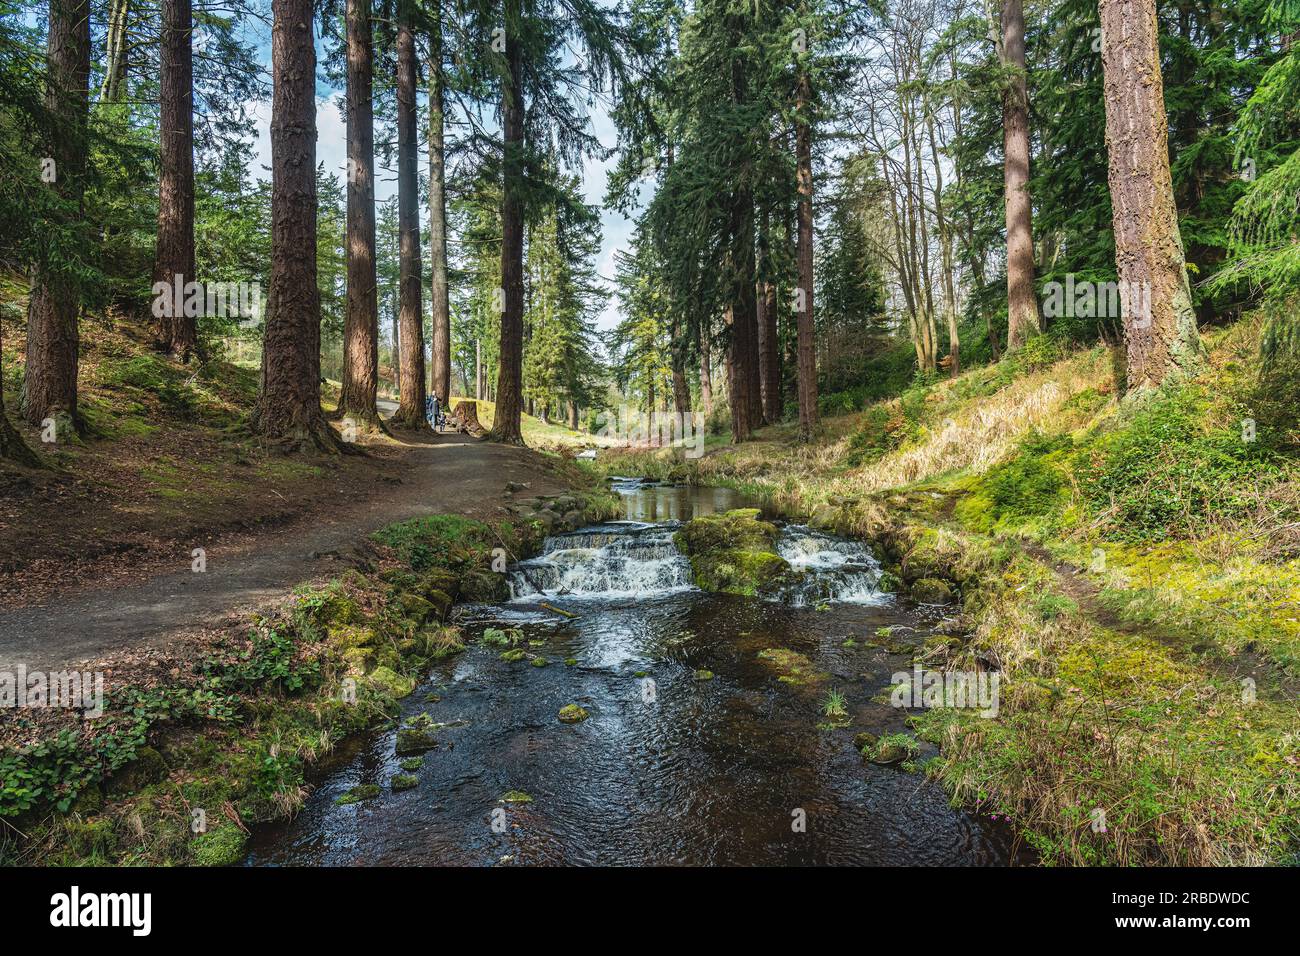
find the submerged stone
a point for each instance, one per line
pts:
(572, 714)
(365, 791)
(403, 781)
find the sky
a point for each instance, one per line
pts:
(331, 149)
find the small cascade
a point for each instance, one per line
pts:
(834, 569)
(619, 559)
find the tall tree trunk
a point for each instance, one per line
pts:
(441, 322)
(1159, 322)
(12, 446)
(178, 334)
(769, 360)
(410, 411)
(113, 86)
(288, 409)
(1022, 305)
(509, 395)
(361, 326)
(706, 370)
(807, 334)
(573, 414)
(50, 382)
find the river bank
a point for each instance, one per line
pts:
(1148, 657)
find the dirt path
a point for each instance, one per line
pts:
(455, 474)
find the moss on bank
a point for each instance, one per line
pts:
(178, 771)
(1128, 568)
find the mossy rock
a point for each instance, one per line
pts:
(894, 749)
(359, 659)
(416, 608)
(741, 530)
(147, 768)
(403, 781)
(931, 591)
(746, 573)
(223, 845)
(439, 580)
(92, 838)
(393, 684)
(411, 764)
(364, 791)
(517, 654)
(791, 667)
(733, 553)
(704, 674)
(516, 796)
(414, 740)
(345, 637)
(484, 587)
(824, 517)
(540, 662)
(572, 714)
(865, 744)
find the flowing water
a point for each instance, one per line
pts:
(669, 767)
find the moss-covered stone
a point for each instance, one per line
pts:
(931, 591)
(364, 791)
(393, 684)
(486, 587)
(414, 740)
(223, 845)
(516, 796)
(733, 553)
(791, 667)
(894, 749)
(572, 714)
(403, 781)
(147, 768)
(704, 674)
(516, 654)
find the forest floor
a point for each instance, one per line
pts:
(97, 553)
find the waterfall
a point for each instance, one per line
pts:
(834, 569)
(620, 559)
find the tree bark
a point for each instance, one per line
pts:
(807, 335)
(411, 390)
(12, 446)
(53, 340)
(441, 322)
(178, 334)
(115, 53)
(361, 325)
(288, 409)
(509, 398)
(1160, 331)
(706, 371)
(1022, 304)
(769, 360)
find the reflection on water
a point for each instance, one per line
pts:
(668, 768)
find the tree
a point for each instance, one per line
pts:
(12, 446)
(441, 320)
(506, 425)
(1160, 330)
(174, 259)
(361, 329)
(1022, 303)
(288, 408)
(807, 336)
(50, 383)
(410, 411)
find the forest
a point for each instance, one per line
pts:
(911, 380)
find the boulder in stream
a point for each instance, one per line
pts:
(734, 553)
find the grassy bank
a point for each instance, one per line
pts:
(1130, 567)
(185, 761)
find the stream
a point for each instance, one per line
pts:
(670, 767)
